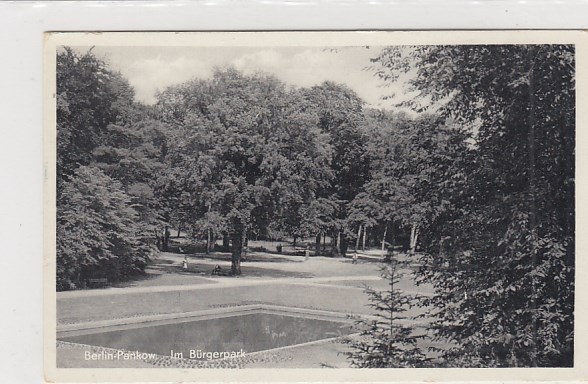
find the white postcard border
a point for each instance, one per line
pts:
(52, 40)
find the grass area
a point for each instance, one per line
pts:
(104, 307)
(322, 283)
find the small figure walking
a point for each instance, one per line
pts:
(185, 263)
(354, 261)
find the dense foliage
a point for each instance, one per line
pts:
(98, 231)
(107, 151)
(500, 251)
(251, 157)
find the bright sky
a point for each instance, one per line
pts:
(149, 69)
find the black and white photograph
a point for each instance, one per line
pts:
(338, 201)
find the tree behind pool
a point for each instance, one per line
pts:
(246, 149)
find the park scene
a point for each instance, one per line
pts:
(315, 207)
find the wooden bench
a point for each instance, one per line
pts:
(218, 271)
(101, 282)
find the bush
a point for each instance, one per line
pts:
(98, 230)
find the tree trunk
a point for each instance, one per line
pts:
(317, 243)
(532, 198)
(570, 191)
(179, 229)
(384, 240)
(157, 240)
(166, 239)
(338, 243)
(237, 249)
(244, 245)
(294, 242)
(364, 236)
(393, 304)
(324, 242)
(225, 240)
(208, 241)
(414, 234)
(358, 238)
(344, 245)
(442, 248)
(393, 239)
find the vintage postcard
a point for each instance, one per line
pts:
(314, 206)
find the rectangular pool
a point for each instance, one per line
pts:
(248, 332)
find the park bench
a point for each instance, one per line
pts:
(98, 282)
(218, 271)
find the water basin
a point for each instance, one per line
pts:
(248, 333)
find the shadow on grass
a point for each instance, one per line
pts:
(160, 268)
(247, 270)
(131, 282)
(164, 267)
(250, 258)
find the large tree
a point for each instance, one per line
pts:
(89, 98)
(106, 141)
(340, 116)
(502, 255)
(132, 153)
(247, 150)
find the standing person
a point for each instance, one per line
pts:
(185, 263)
(354, 261)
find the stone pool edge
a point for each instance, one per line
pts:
(206, 314)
